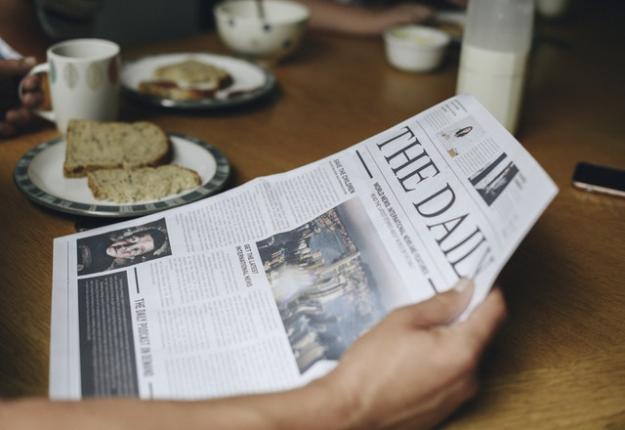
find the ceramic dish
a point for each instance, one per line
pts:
(250, 81)
(274, 35)
(39, 174)
(415, 48)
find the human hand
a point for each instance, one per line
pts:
(403, 13)
(15, 114)
(416, 366)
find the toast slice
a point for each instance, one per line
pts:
(171, 90)
(187, 80)
(143, 183)
(193, 72)
(93, 145)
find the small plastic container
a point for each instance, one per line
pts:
(415, 48)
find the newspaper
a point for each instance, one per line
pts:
(263, 287)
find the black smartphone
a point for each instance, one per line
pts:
(600, 179)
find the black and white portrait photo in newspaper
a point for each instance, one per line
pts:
(122, 248)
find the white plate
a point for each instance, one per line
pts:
(39, 174)
(250, 81)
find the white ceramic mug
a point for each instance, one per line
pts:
(84, 81)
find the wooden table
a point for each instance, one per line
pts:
(560, 361)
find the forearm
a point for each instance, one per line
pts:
(314, 406)
(331, 16)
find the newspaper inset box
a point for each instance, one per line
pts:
(328, 277)
(265, 286)
(108, 365)
(461, 137)
(122, 248)
(491, 181)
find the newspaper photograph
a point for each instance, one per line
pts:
(327, 277)
(264, 287)
(122, 248)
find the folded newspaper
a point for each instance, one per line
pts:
(263, 287)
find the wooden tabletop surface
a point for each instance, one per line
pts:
(560, 360)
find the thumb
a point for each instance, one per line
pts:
(441, 309)
(9, 68)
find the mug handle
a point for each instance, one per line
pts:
(39, 68)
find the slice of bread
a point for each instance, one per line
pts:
(93, 145)
(171, 90)
(193, 72)
(143, 183)
(187, 80)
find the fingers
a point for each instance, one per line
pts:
(10, 68)
(20, 117)
(31, 83)
(440, 309)
(32, 96)
(32, 100)
(15, 120)
(482, 324)
(7, 130)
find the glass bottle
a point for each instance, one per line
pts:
(495, 50)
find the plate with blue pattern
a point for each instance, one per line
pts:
(39, 174)
(250, 81)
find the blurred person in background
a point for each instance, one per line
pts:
(371, 17)
(140, 21)
(143, 21)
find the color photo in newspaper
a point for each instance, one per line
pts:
(264, 287)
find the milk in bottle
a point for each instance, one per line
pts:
(494, 56)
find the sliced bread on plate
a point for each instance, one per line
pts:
(194, 72)
(187, 80)
(93, 145)
(143, 183)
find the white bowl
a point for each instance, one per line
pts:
(415, 48)
(243, 31)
